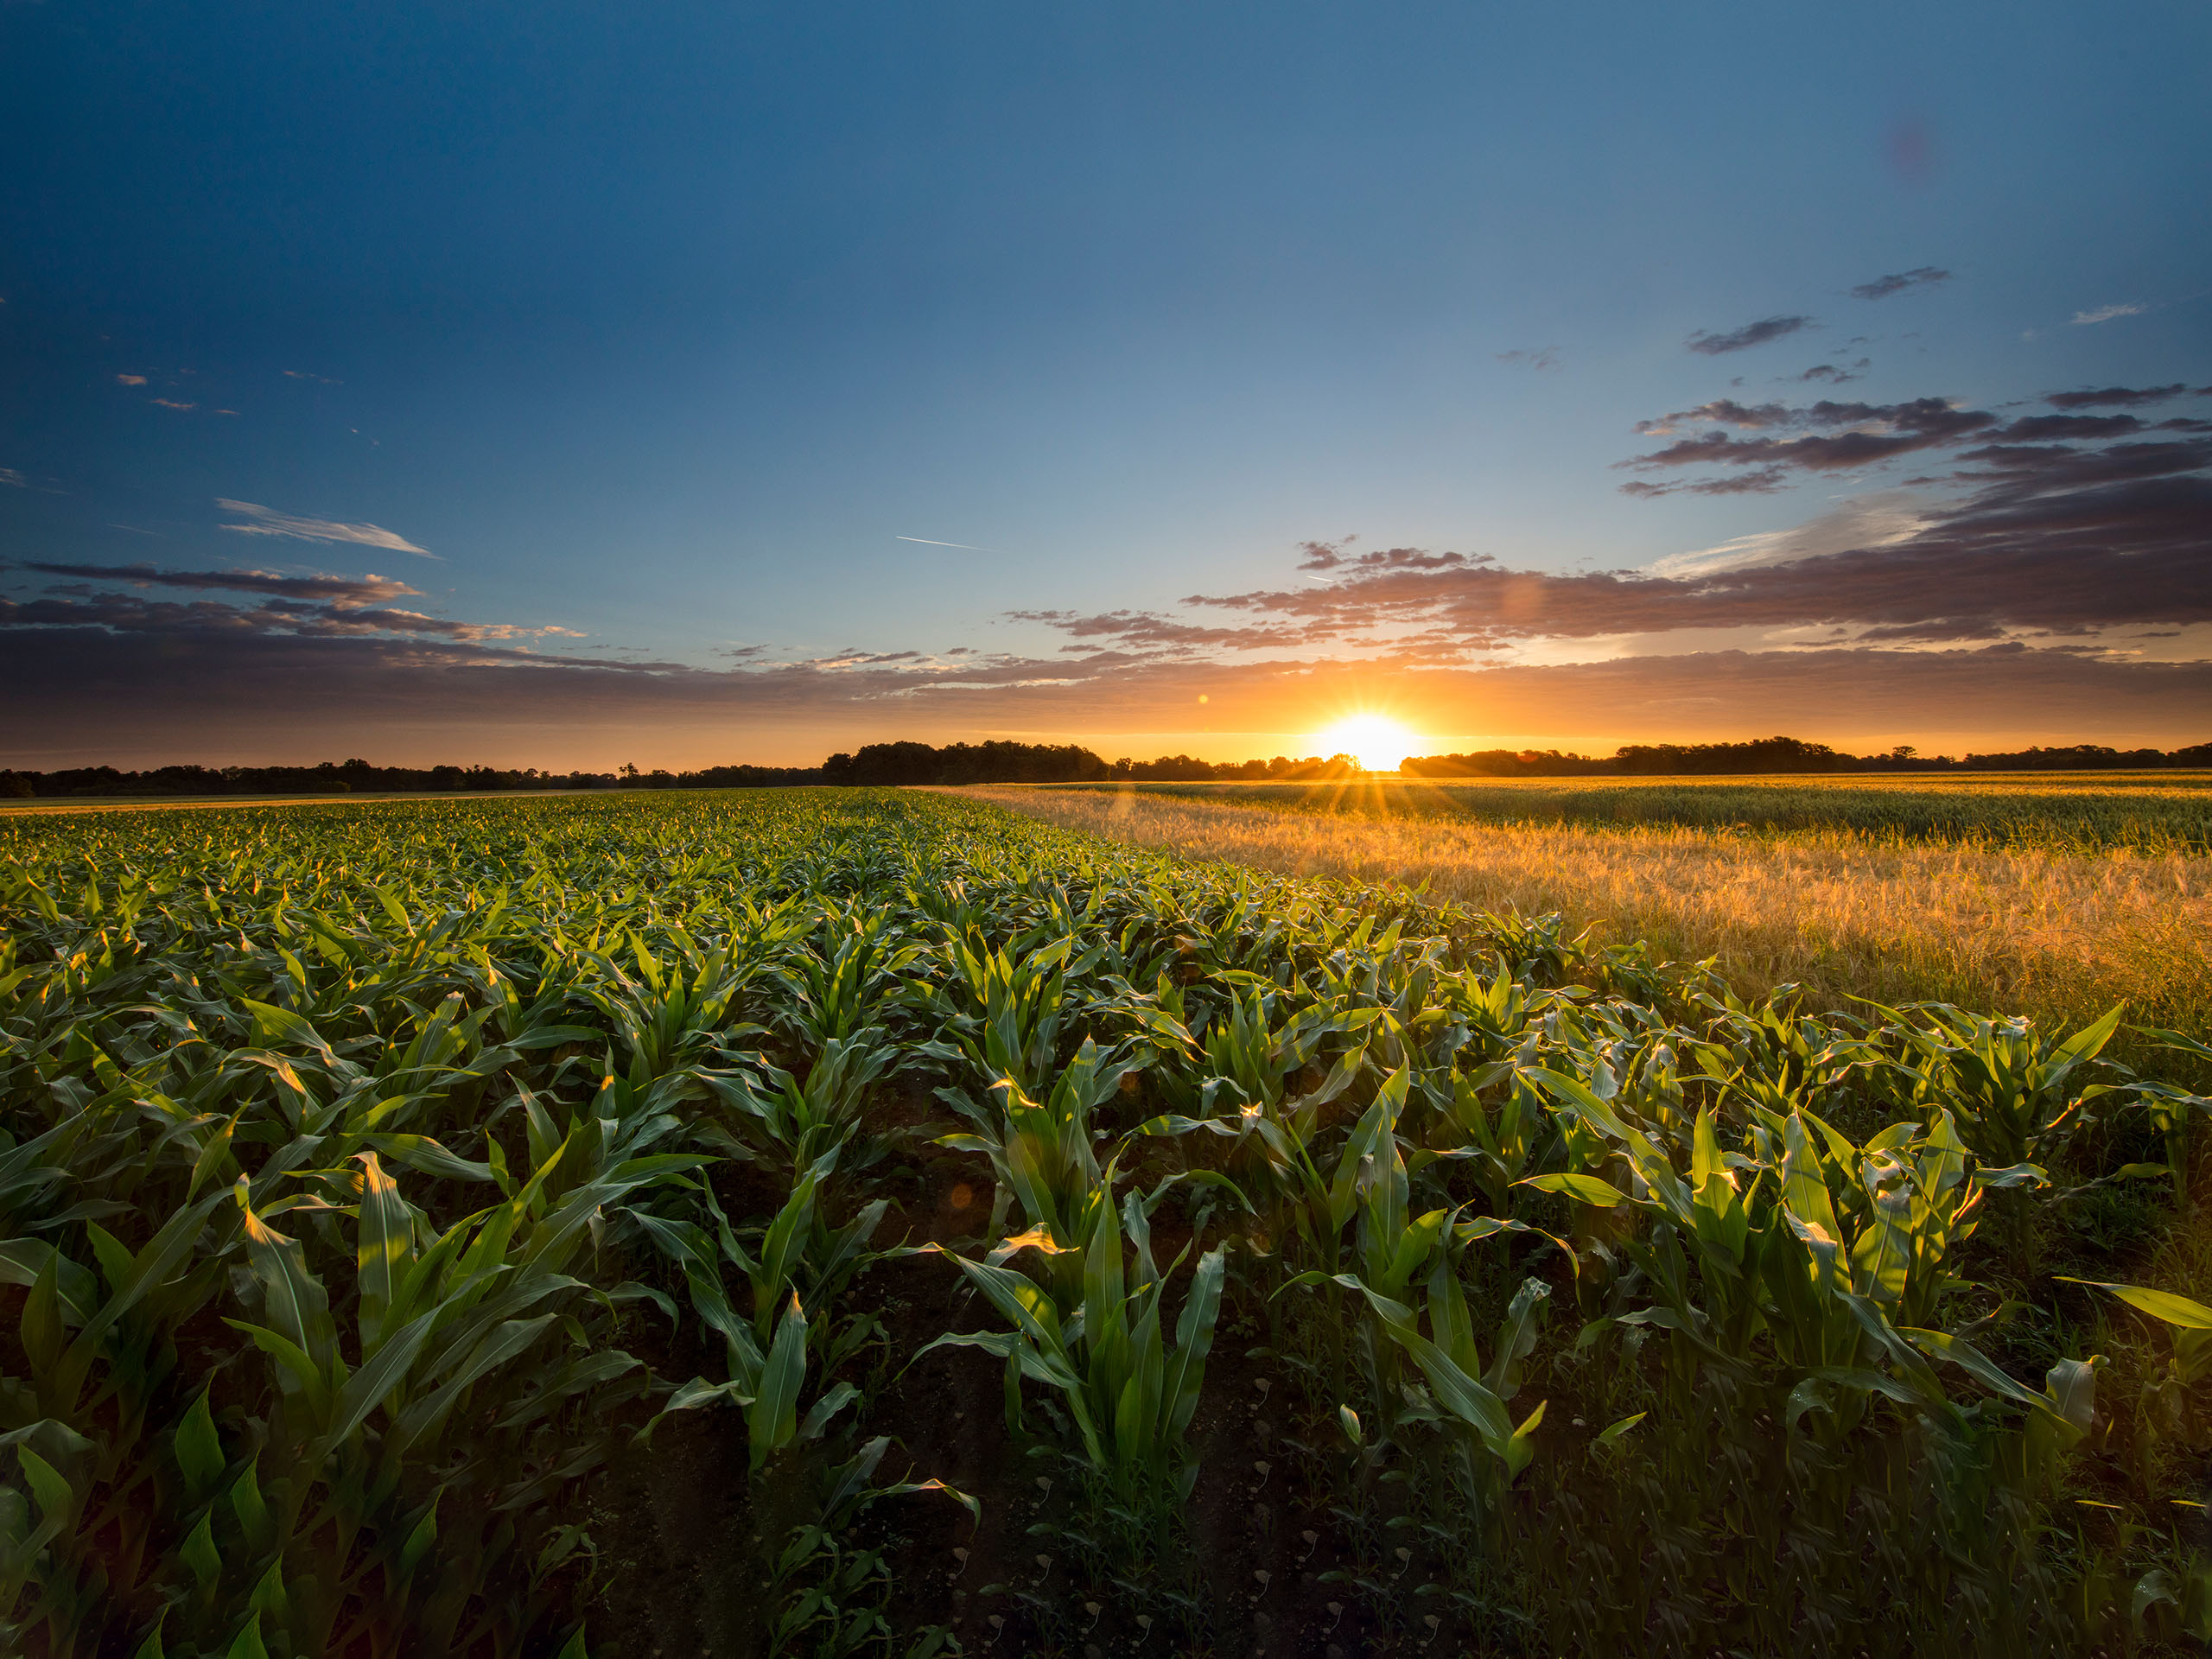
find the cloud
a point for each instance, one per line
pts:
(130, 379)
(79, 609)
(2042, 428)
(78, 690)
(2106, 312)
(1765, 481)
(2115, 397)
(167, 403)
(13, 479)
(342, 592)
(1838, 436)
(1837, 375)
(2050, 536)
(319, 380)
(1882, 287)
(926, 541)
(1873, 520)
(1331, 555)
(267, 521)
(1147, 632)
(1544, 358)
(1751, 334)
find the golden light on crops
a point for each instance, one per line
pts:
(1377, 741)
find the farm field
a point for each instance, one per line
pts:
(2103, 812)
(140, 803)
(2054, 897)
(824, 1222)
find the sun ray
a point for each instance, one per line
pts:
(1377, 741)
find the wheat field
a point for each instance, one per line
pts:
(2034, 929)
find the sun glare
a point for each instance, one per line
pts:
(1377, 741)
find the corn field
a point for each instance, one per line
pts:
(1034, 1244)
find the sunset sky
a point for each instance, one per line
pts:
(566, 385)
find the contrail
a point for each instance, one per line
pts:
(926, 541)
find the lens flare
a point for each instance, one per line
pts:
(1377, 741)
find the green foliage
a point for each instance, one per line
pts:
(347, 1154)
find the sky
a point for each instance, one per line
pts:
(568, 385)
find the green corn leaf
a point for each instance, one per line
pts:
(384, 1239)
(199, 1453)
(200, 1554)
(2158, 1304)
(419, 1541)
(252, 1509)
(772, 1420)
(1584, 1189)
(1613, 1433)
(39, 1326)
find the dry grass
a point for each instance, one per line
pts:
(2061, 936)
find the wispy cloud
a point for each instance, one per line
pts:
(1837, 374)
(2117, 396)
(1899, 282)
(267, 521)
(1873, 520)
(1837, 436)
(1743, 338)
(926, 542)
(342, 592)
(130, 379)
(2106, 312)
(10, 476)
(319, 380)
(169, 403)
(1544, 358)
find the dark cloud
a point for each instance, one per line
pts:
(1145, 632)
(1547, 358)
(1873, 432)
(1764, 480)
(1838, 374)
(1332, 555)
(1882, 287)
(342, 592)
(2115, 397)
(1751, 334)
(2037, 429)
(2052, 537)
(79, 606)
(1406, 558)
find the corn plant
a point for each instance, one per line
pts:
(1130, 1394)
(2019, 1096)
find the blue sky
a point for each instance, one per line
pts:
(660, 326)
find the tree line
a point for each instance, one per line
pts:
(1002, 762)
(1787, 754)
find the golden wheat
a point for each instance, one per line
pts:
(2060, 936)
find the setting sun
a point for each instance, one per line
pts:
(1377, 741)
